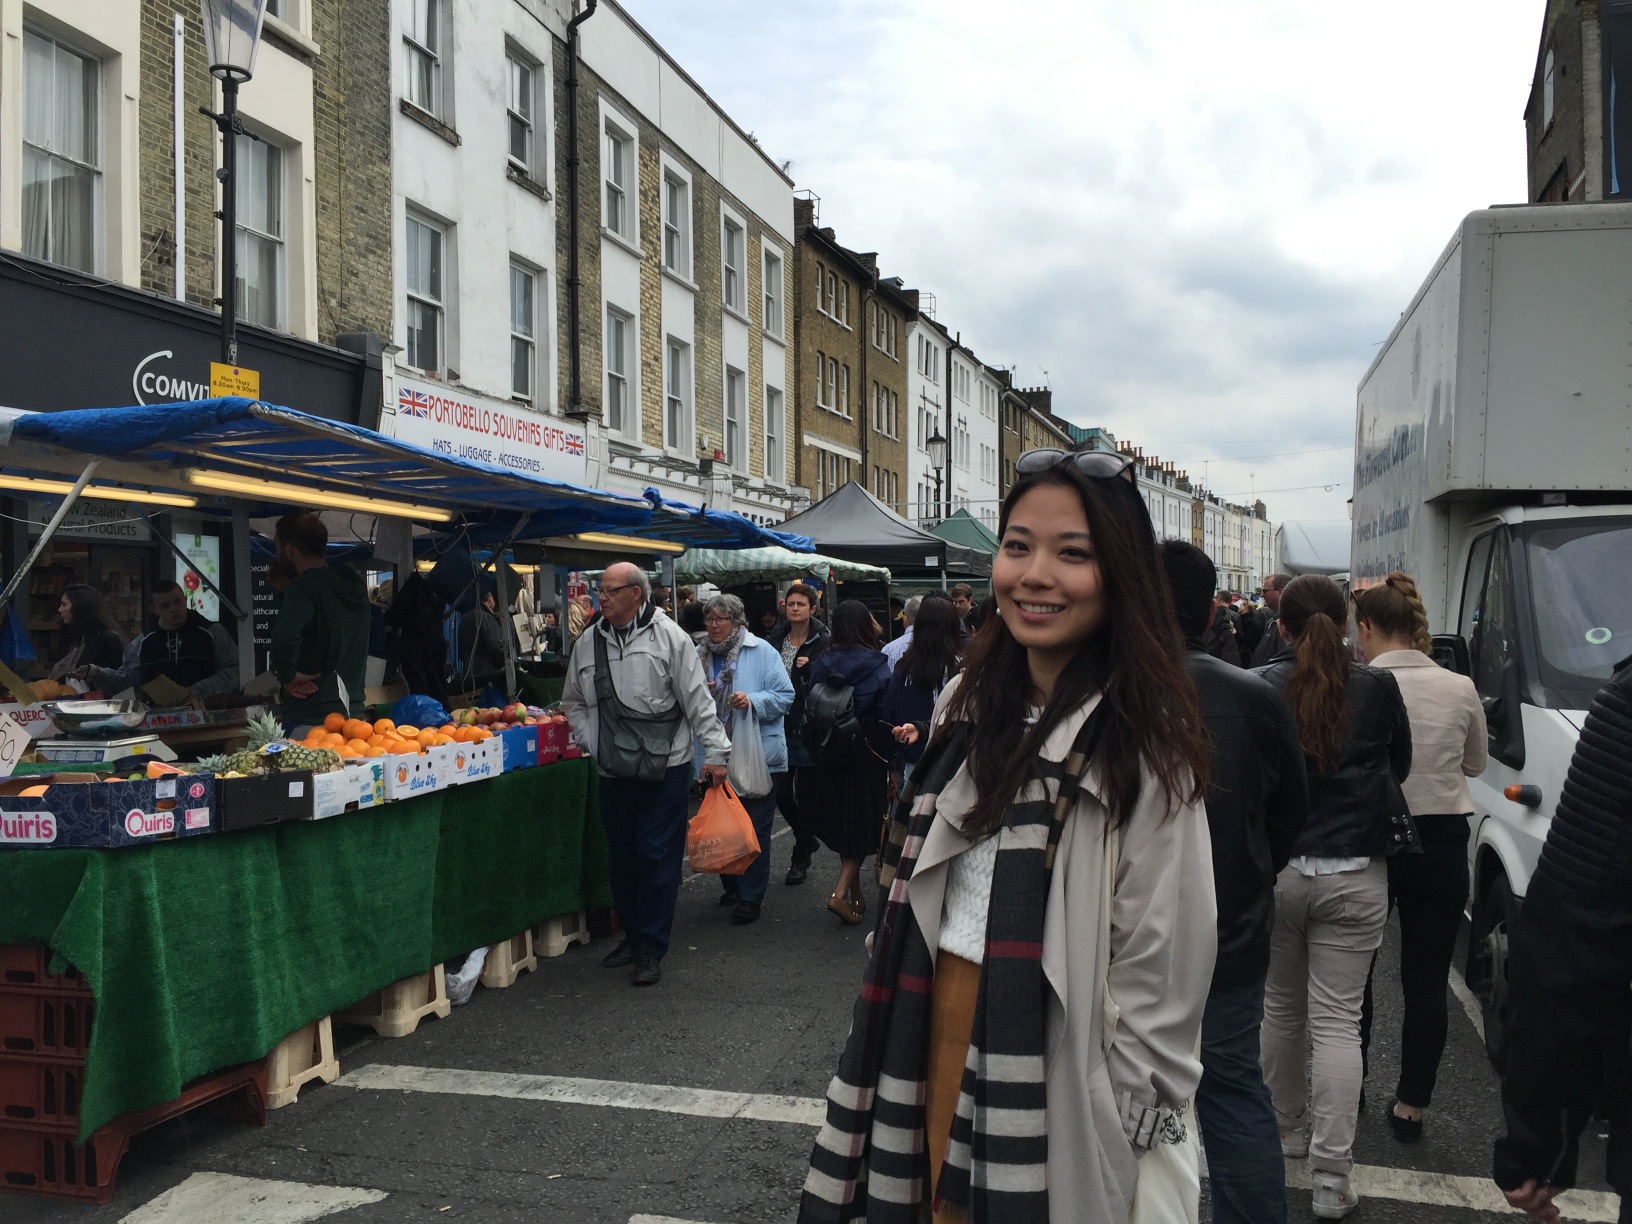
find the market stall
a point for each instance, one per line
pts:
(727, 567)
(853, 524)
(215, 907)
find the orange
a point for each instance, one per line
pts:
(427, 735)
(482, 733)
(334, 722)
(373, 750)
(442, 739)
(333, 740)
(385, 726)
(356, 728)
(356, 744)
(347, 752)
(408, 732)
(446, 728)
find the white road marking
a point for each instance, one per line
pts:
(661, 1098)
(1403, 1185)
(220, 1198)
(651, 1219)
(1470, 1004)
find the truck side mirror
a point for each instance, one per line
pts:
(1504, 718)
(1450, 651)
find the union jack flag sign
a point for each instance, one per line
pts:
(413, 403)
(573, 443)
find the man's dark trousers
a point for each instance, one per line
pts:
(645, 826)
(1244, 1163)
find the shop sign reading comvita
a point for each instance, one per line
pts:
(466, 426)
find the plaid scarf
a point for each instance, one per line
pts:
(723, 686)
(870, 1162)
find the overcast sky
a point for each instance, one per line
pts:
(1195, 220)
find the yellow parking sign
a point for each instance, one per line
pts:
(234, 380)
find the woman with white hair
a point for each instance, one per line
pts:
(745, 675)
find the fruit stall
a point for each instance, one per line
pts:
(170, 930)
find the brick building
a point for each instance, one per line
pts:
(1578, 125)
(686, 237)
(850, 373)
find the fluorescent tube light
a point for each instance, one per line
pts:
(297, 495)
(30, 484)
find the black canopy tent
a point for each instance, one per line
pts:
(852, 524)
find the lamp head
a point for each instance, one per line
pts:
(232, 34)
(937, 449)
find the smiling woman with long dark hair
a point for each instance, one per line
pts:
(981, 1079)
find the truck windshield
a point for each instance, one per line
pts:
(1581, 590)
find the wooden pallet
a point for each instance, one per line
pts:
(507, 960)
(397, 1010)
(556, 935)
(305, 1055)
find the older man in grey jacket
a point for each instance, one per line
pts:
(635, 692)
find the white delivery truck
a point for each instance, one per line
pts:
(1493, 463)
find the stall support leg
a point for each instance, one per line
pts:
(50, 529)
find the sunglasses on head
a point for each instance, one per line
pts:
(1096, 465)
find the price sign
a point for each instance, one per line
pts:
(14, 741)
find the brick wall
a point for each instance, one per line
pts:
(352, 158)
(1557, 152)
(817, 332)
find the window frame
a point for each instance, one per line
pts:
(620, 153)
(248, 235)
(530, 338)
(94, 111)
(680, 227)
(429, 48)
(776, 449)
(772, 292)
(734, 416)
(516, 64)
(1549, 88)
(426, 299)
(734, 277)
(679, 430)
(622, 375)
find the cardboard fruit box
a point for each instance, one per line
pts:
(358, 785)
(79, 810)
(520, 747)
(409, 774)
(264, 799)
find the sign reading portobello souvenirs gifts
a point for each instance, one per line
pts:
(466, 426)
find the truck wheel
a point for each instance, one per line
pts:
(1486, 974)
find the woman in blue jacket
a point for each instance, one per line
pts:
(851, 787)
(925, 667)
(746, 673)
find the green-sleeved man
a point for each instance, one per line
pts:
(320, 643)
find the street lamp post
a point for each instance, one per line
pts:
(232, 34)
(937, 460)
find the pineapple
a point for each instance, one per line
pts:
(220, 763)
(263, 730)
(298, 756)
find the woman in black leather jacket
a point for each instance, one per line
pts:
(1331, 900)
(801, 639)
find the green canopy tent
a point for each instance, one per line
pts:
(731, 567)
(964, 528)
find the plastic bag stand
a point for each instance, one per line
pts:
(397, 1010)
(305, 1055)
(45, 1160)
(555, 935)
(507, 960)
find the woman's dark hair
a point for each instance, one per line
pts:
(1136, 662)
(1317, 692)
(937, 641)
(85, 606)
(1394, 608)
(853, 625)
(691, 618)
(808, 594)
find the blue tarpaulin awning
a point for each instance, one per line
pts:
(156, 446)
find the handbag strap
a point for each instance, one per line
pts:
(1110, 1013)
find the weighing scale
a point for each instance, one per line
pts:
(102, 751)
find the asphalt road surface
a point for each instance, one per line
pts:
(574, 1097)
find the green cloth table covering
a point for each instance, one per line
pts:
(207, 951)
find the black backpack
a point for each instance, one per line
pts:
(831, 732)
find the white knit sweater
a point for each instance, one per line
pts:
(968, 896)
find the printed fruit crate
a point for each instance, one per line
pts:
(553, 739)
(46, 1025)
(410, 774)
(62, 810)
(263, 799)
(358, 785)
(474, 762)
(520, 746)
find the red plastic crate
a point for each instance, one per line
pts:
(40, 1161)
(40, 1094)
(46, 1024)
(25, 967)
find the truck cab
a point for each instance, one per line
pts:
(1545, 614)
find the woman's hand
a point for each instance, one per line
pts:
(739, 701)
(1537, 1200)
(906, 734)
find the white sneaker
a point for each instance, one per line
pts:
(1334, 1198)
(1295, 1144)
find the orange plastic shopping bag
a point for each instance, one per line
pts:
(721, 838)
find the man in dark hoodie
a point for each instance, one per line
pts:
(196, 654)
(320, 643)
(1256, 807)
